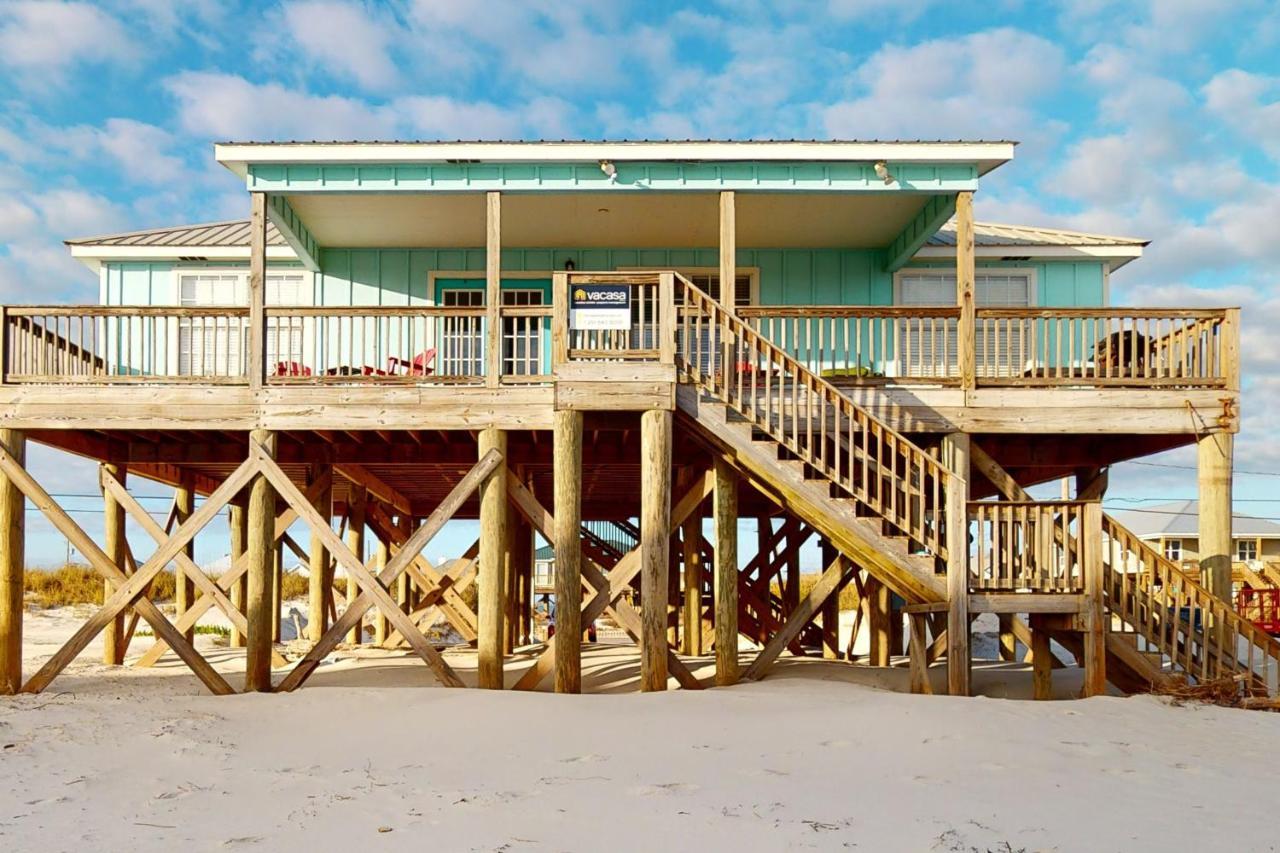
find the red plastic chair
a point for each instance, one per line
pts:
(291, 368)
(422, 364)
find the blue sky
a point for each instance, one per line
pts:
(1156, 119)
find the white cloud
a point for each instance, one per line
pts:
(895, 10)
(49, 37)
(343, 39)
(983, 85)
(1249, 103)
(228, 107)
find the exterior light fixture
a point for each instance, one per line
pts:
(569, 265)
(610, 170)
(882, 172)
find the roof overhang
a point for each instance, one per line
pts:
(1117, 256)
(238, 156)
(95, 256)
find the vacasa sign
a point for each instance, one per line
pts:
(600, 306)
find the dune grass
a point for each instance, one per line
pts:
(75, 583)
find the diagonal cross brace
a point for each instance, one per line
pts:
(373, 591)
(607, 588)
(129, 589)
(224, 582)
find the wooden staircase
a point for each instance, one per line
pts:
(887, 504)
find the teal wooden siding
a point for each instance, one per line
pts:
(787, 276)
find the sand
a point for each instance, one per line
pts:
(820, 756)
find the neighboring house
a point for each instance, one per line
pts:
(813, 333)
(544, 570)
(1172, 529)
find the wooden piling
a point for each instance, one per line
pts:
(830, 612)
(567, 460)
(380, 618)
(357, 510)
(955, 454)
(655, 549)
(1214, 452)
(493, 539)
(691, 560)
(113, 639)
(877, 599)
(519, 566)
(12, 560)
(318, 569)
(238, 520)
(260, 543)
(184, 588)
(725, 515)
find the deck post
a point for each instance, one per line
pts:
(260, 536)
(955, 453)
(1041, 659)
(113, 641)
(519, 562)
(318, 589)
(357, 511)
(1095, 637)
(877, 598)
(1008, 642)
(256, 363)
(728, 249)
(238, 522)
(725, 580)
(567, 475)
(655, 545)
(791, 584)
(691, 561)
(12, 562)
(493, 541)
(966, 326)
(493, 288)
(830, 612)
(1215, 458)
(184, 589)
(277, 591)
(380, 619)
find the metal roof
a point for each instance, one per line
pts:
(996, 234)
(234, 232)
(706, 141)
(1182, 518)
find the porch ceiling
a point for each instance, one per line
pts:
(677, 220)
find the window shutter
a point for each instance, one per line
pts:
(921, 349)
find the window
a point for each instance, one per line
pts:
(1246, 550)
(215, 346)
(709, 283)
(916, 355)
(1173, 549)
(461, 338)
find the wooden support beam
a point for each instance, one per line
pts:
(967, 324)
(728, 249)
(568, 550)
(1008, 642)
(318, 589)
(655, 548)
(1095, 634)
(828, 585)
(725, 583)
(238, 521)
(493, 301)
(493, 541)
(1041, 660)
(380, 619)
(357, 507)
(12, 563)
(1214, 451)
(256, 355)
(519, 566)
(113, 643)
(918, 650)
(877, 599)
(277, 590)
(955, 454)
(184, 595)
(260, 546)
(691, 561)
(831, 612)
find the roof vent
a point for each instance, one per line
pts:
(191, 258)
(1016, 258)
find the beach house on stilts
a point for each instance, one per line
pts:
(548, 336)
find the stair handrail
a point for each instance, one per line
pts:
(1197, 654)
(901, 481)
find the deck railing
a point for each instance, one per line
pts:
(1031, 546)
(1095, 347)
(1198, 634)
(1031, 347)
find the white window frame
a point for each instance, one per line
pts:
(1250, 542)
(308, 292)
(1173, 546)
(1033, 283)
(434, 275)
